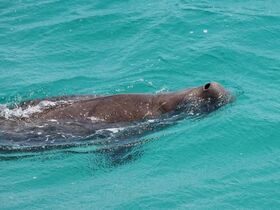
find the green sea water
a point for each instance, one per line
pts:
(227, 160)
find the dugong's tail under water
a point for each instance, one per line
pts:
(68, 121)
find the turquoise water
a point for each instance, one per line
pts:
(227, 160)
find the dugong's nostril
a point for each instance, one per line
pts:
(206, 86)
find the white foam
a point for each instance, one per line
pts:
(52, 120)
(95, 119)
(20, 112)
(113, 130)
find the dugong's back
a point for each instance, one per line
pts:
(116, 108)
(71, 120)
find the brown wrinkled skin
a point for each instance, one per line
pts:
(127, 107)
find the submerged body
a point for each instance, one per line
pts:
(84, 116)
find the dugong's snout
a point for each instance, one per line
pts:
(216, 93)
(213, 90)
(209, 97)
(206, 98)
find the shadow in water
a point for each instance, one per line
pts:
(114, 145)
(105, 156)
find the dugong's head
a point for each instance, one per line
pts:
(206, 98)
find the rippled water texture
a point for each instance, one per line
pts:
(227, 160)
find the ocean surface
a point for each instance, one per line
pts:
(229, 159)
